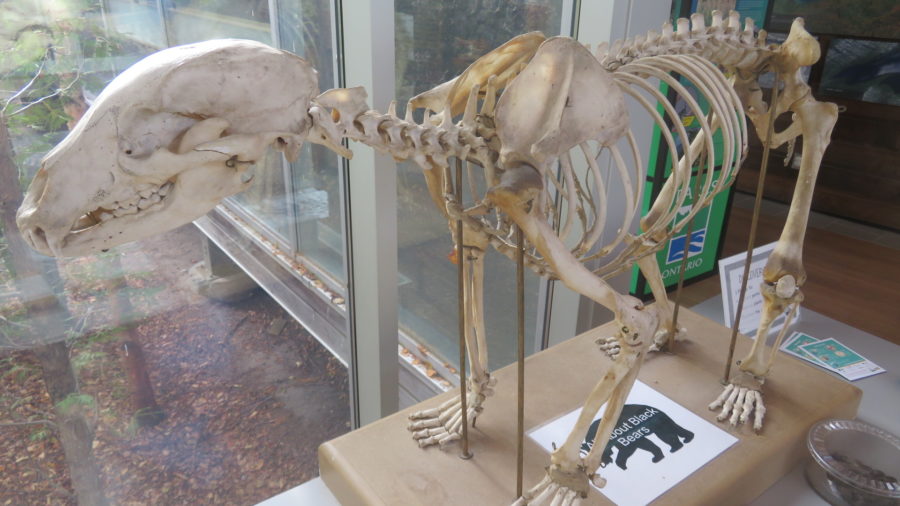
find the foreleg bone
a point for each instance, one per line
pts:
(783, 274)
(443, 425)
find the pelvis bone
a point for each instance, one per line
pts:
(165, 142)
(547, 110)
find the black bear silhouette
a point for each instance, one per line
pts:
(634, 425)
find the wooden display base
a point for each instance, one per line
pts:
(381, 464)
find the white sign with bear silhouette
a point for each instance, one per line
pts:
(657, 443)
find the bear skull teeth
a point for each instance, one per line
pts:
(149, 198)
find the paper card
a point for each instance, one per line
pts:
(656, 444)
(731, 272)
(793, 346)
(842, 359)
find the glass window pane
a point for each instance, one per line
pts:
(304, 28)
(140, 21)
(198, 20)
(434, 43)
(319, 210)
(267, 199)
(94, 349)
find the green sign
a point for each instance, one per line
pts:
(706, 229)
(705, 241)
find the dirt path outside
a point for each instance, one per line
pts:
(248, 393)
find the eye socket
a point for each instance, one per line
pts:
(128, 151)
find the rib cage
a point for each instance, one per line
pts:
(690, 50)
(576, 201)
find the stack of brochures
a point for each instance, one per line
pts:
(830, 354)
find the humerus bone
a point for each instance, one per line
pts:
(179, 123)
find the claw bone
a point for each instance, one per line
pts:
(721, 398)
(738, 404)
(726, 408)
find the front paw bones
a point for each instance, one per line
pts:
(740, 402)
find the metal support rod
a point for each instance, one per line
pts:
(757, 204)
(686, 253)
(461, 304)
(520, 399)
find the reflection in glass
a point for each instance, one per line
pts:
(875, 18)
(120, 384)
(267, 199)
(434, 43)
(867, 70)
(197, 20)
(304, 28)
(140, 21)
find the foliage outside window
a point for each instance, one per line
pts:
(119, 383)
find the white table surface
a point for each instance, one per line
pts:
(880, 406)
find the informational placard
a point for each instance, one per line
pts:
(830, 354)
(655, 444)
(731, 272)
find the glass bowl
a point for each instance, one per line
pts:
(854, 463)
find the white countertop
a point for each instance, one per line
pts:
(880, 404)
